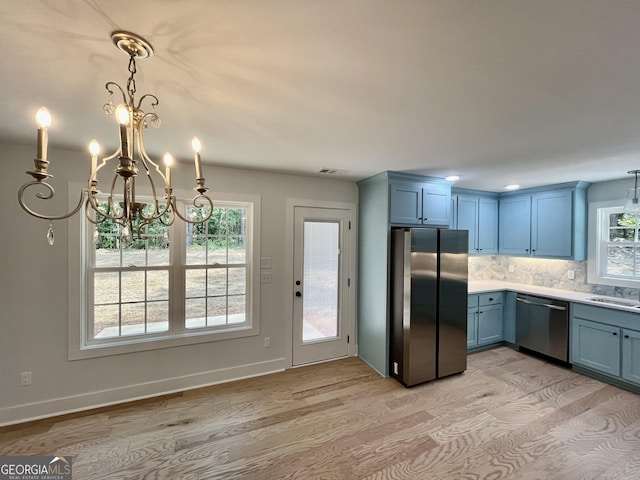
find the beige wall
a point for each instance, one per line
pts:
(34, 297)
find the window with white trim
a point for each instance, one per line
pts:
(618, 246)
(176, 283)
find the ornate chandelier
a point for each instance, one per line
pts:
(121, 206)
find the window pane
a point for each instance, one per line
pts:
(133, 318)
(132, 286)
(106, 320)
(106, 287)
(107, 251)
(216, 311)
(195, 312)
(237, 281)
(237, 309)
(158, 250)
(157, 285)
(217, 284)
(217, 250)
(621, 234)
(196, 250)
(218, 222)
(320, 305)
(134, 255)
(620, 260)
(237, 250)
(157, 317)
(195, 283)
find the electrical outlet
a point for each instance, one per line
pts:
(395, 368)
(512, 268)
(265, 277)
(571, 274)
(267, 342)
(25, 379)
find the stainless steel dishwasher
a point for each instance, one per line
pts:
(542, 325)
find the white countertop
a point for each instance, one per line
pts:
(556, 293)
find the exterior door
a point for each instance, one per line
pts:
(320, 283)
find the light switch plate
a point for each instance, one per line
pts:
(265, 262)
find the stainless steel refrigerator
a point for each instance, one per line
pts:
(429, 271)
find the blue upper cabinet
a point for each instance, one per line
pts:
(488, 225)
(479, 215)
(551, 223)
(515, 225)
(420, 202)
(548, 222)
(406, 203)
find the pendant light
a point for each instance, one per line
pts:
(632, 205)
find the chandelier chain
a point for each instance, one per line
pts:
(131, 82)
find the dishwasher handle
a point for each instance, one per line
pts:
(548, 305)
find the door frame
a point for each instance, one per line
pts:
(350, 298)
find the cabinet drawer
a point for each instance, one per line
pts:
(472, 301)
(491, 298)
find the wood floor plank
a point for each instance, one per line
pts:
(509, 416)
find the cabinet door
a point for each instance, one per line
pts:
(515, 225)
(489, 324)
(551, 226)
(468, 219)
(406, 203)
(509, 318)
(487, 225)
(472, 327)
(596, 346)
(631, 356)
(436, 204)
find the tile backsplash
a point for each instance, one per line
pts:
(543, 273)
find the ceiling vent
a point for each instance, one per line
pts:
(332, 171)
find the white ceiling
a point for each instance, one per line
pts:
(497, 91)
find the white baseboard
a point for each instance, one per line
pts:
(63, 405)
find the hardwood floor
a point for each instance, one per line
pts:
(509, 416)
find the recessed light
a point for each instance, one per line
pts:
(452, 178)
(513, 186)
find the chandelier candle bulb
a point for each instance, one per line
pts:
(43, 118)
(196, 145)
(122, 115)
(168, 161)
(94, 149)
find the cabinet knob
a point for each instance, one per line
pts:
(298, 294)
(491, 299)
(626, 336)
(615, 333)
(526, 250)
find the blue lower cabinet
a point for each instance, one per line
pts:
(596, 345)
(489, 324)
(631, 356)
(484, 319)
(472, 327)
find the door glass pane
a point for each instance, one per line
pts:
(320, 300)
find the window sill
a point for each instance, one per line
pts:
(141, 344)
